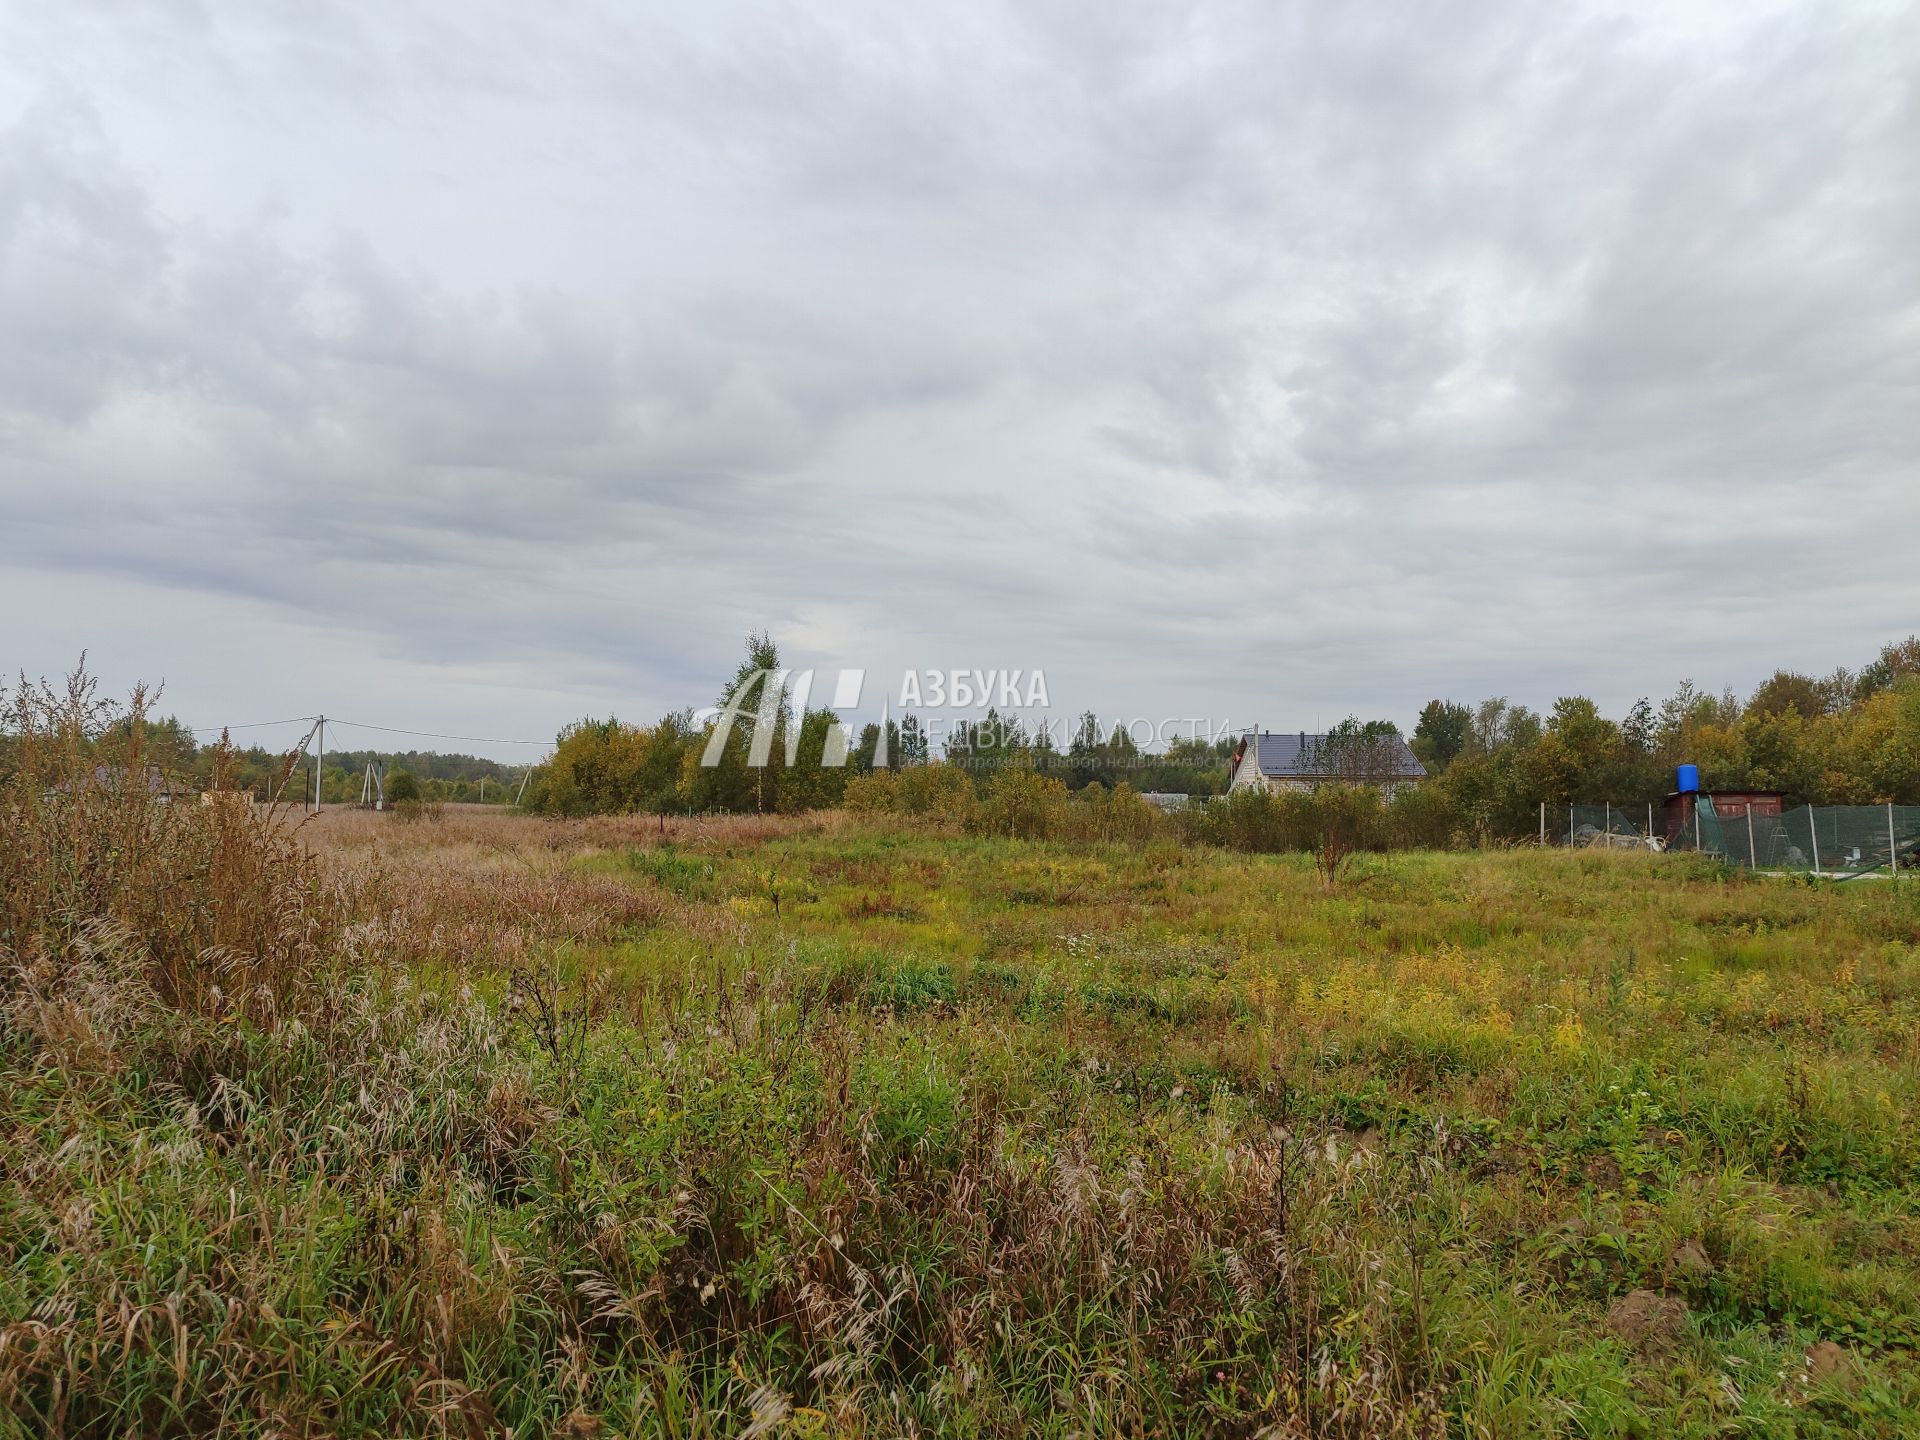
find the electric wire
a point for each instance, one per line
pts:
(433, 734)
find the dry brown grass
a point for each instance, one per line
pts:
(228, 911)
(492, 829)
(480, 886)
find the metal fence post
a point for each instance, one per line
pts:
(1649, 822)
(1813, 834)
(1752, 864)
(1543, 824)
(1893, 847)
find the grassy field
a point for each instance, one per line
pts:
(829, 1127)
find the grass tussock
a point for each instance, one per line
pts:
(483, 1125)
(227, 911)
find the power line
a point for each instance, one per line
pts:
(256, 725)
(434, 734)
(362, 725)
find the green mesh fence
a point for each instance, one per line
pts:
(1839, 840)
(1617, 827)
(1827, 839)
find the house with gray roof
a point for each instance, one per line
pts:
(1301, 760)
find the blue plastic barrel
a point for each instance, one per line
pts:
(1689, 779)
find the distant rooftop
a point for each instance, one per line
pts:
(1292, 756)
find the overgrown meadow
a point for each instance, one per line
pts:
(854, 1126)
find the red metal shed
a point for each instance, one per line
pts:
(1676, 811)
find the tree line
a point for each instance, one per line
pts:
(171, 750)
(611, 766)
(1852, 737)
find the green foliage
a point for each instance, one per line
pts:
(1278, 821)
(1018, 801)
(1023, 803)
(1254, 819)
(810, 784)
(1845, 740)
(985, 746)
(1848, 739)
(1111, 757)
(1421, 817)
(1441, 734)
(937, 792)
(1355, 750)
(604, 767)
(874, 793)
(687, 876)
(756, 712)
(1117, 816)
(884, 1128)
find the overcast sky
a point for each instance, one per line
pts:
(470, 367)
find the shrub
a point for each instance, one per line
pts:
(874, 794)
(1279, 821)
(219, 905)
(1098, 815)
(608, 767)
(1024, 804)
(938, 792)
(1354, 816)
(417, 811)
(1421, 817)
(1256, 820)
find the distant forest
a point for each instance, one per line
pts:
(172, 748)
(1851, 737)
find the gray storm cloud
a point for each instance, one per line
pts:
(1254, 361)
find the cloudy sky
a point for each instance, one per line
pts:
(472, 366)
